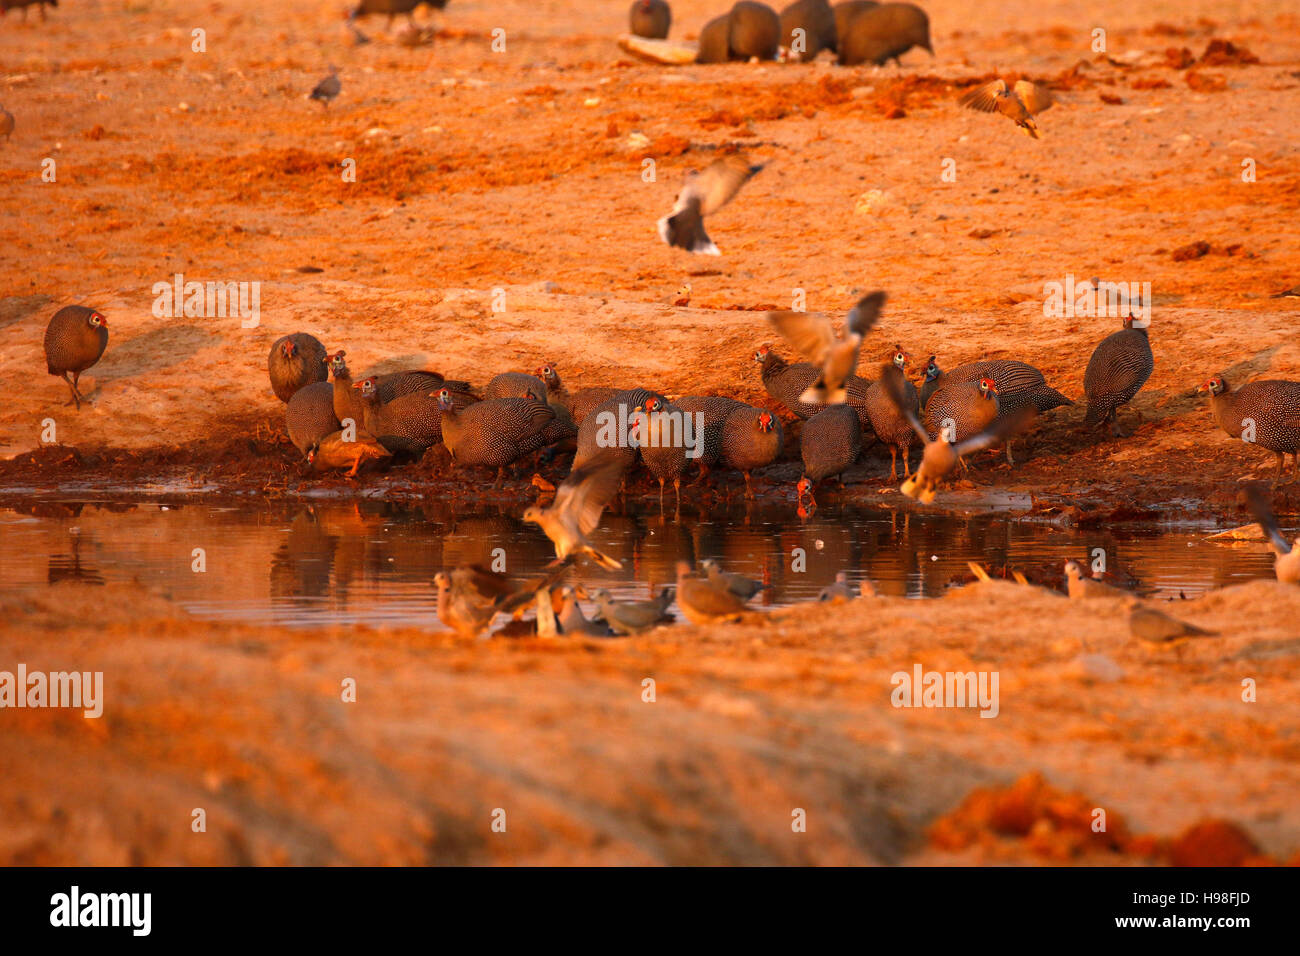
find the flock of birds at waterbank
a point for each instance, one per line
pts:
(519, 419)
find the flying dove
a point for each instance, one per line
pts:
(577, 507)
(705, 192)
(812, 334)
(1021, 103)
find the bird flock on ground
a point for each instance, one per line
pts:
(337, 422)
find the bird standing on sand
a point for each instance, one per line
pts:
(1079, 586)
(650, 19)
(739, 585)
(74, 341)
(706, 601)
(837, 355)
(1286, 560)
(516, 385)
(817, 21)
(575, 512)
(633, 617)
(309, 415)
(493, 433)
(883, 32)
(295, 361)
(1265, 413)
(828, 444)
(705, 192)
(1020, 103)
(890, 425)
(942, 455)
(328, 88)
(1120, 365)
(1160, 630)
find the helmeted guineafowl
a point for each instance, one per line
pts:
(883, 32)
(74, 341)
(830, 442)
(713, 411)
(751, 438)
(650, 19)
(295, 360)
(495, 432)
(409, 425)
(309, 415)
(1264, 413)
(661, 432)
(1120, 365)
(890, 425)
(960, 410)
(1019, 385)
(817, 21)
(515, 385)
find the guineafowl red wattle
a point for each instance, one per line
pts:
(751, 438)
(1119, 367)
(959, 410)
(309, 415)
(1264, 413)
(295, 361)
(75, 340)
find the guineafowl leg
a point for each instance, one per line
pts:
(893, 463)
(1277, 479)
(677, 490)
(72, 381)
(1010, 461)
(749, 486)
(906, 452)
(501, 473)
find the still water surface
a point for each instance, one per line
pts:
(342, 562)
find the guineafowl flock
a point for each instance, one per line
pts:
(821, 395)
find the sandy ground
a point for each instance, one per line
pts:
(521, 171)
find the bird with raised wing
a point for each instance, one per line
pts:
(836, 354)
(705, 192)
(1286, 560)
(1019, 103)
(575, 512)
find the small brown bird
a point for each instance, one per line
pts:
(1286, 557)
(1080, 586)
(705, 192)
(7, 121)
(74, 341)
(1020, 103)
(334, 452)
(837, 355)
(941, 455)
(739, 585)
(1160, 630)
(328, 88)
(706, 602)
(575, 512)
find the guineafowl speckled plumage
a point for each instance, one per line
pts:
(1119, 367)
(495, 432)
(714, 410)
(74, 341)
(596, 431)
(309, 415)
(1264, 413)
(786, 382)
(751, 438)
(663, 446)
(961, 410)
(1019, 385)
(295, 361)
(348, 402)
(516, 385)
(891, 425)
(830, 442)
(410, 424)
